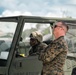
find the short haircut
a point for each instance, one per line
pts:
(64, 24)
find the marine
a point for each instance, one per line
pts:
(54, 56)
(36, 43)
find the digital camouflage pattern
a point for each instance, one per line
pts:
(37, 48)
(54, 57)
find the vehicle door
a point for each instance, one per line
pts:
(25, 64)
(7, 32)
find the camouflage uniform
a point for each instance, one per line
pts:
(37, 48)
(54, 57)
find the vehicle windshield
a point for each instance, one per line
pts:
(43, 28)
(7, 30)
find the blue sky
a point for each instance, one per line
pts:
(50, 8)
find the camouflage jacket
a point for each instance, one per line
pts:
(37, 48)
(54, 57)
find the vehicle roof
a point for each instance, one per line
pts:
(71, 21)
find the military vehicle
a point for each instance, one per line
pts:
(14, 44)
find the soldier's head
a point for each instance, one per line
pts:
(60, 29)
(35, 38)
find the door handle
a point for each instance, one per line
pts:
(20, 64)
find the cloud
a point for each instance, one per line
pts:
(15, 13)
(53, 15)
(39, 7)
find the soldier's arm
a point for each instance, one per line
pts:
(51, 52)
(30, 52)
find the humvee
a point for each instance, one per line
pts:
(14, 44)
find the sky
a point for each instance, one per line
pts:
(46, 8)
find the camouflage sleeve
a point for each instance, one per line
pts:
(51, 52)
(42, 46)
(30, 52)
